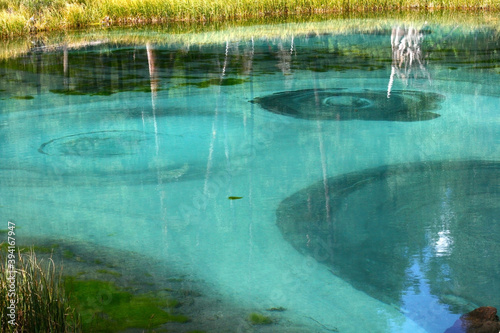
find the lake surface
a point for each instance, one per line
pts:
(351, 178)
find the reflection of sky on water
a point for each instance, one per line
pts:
(410, 244)
(419, 297)
(423, 303)
(444, 242)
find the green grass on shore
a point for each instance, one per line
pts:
(186, 34)
(20, 17)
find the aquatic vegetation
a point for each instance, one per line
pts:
(41, 248)
(278, 309)
(44, 249)
(105, 307)
(26, 97)
(259, 319)
(215, 82)
(105, 271)
(67, 92)
(81, 91)
(341, 104)
(42, 304)
(67, 254)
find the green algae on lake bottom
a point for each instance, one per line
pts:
(259, 319)
(67, 254)
(67, 92)
(215, 82)
(278, 309)
(99, 92)
(108, 272)
(25, 97)
(105, 307)
(44, 249)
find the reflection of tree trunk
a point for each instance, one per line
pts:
(285, 62)
(406, 55)
(154, 86)
(39, 73)
(248, 59)
(120, 73)
(215, 121)
(152, 70)
(225, 61)
(65, 67)
(284, 59)
(226, 143)
(321, 147)
(153, 80)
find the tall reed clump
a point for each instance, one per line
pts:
(12, 24)
(42, 305)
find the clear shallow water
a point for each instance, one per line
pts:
(139, 148)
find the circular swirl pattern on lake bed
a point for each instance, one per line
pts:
(386, 229)
(113, 157)
(340, 104)
(98, 144)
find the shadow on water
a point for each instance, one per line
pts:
(382, 228)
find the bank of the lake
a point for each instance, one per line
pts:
(22, 17)
(202, 33)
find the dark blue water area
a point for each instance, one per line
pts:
(351, 178)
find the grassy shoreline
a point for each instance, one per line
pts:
(22, 17)
(202, 33)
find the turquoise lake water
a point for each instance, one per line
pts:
(351, 178)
